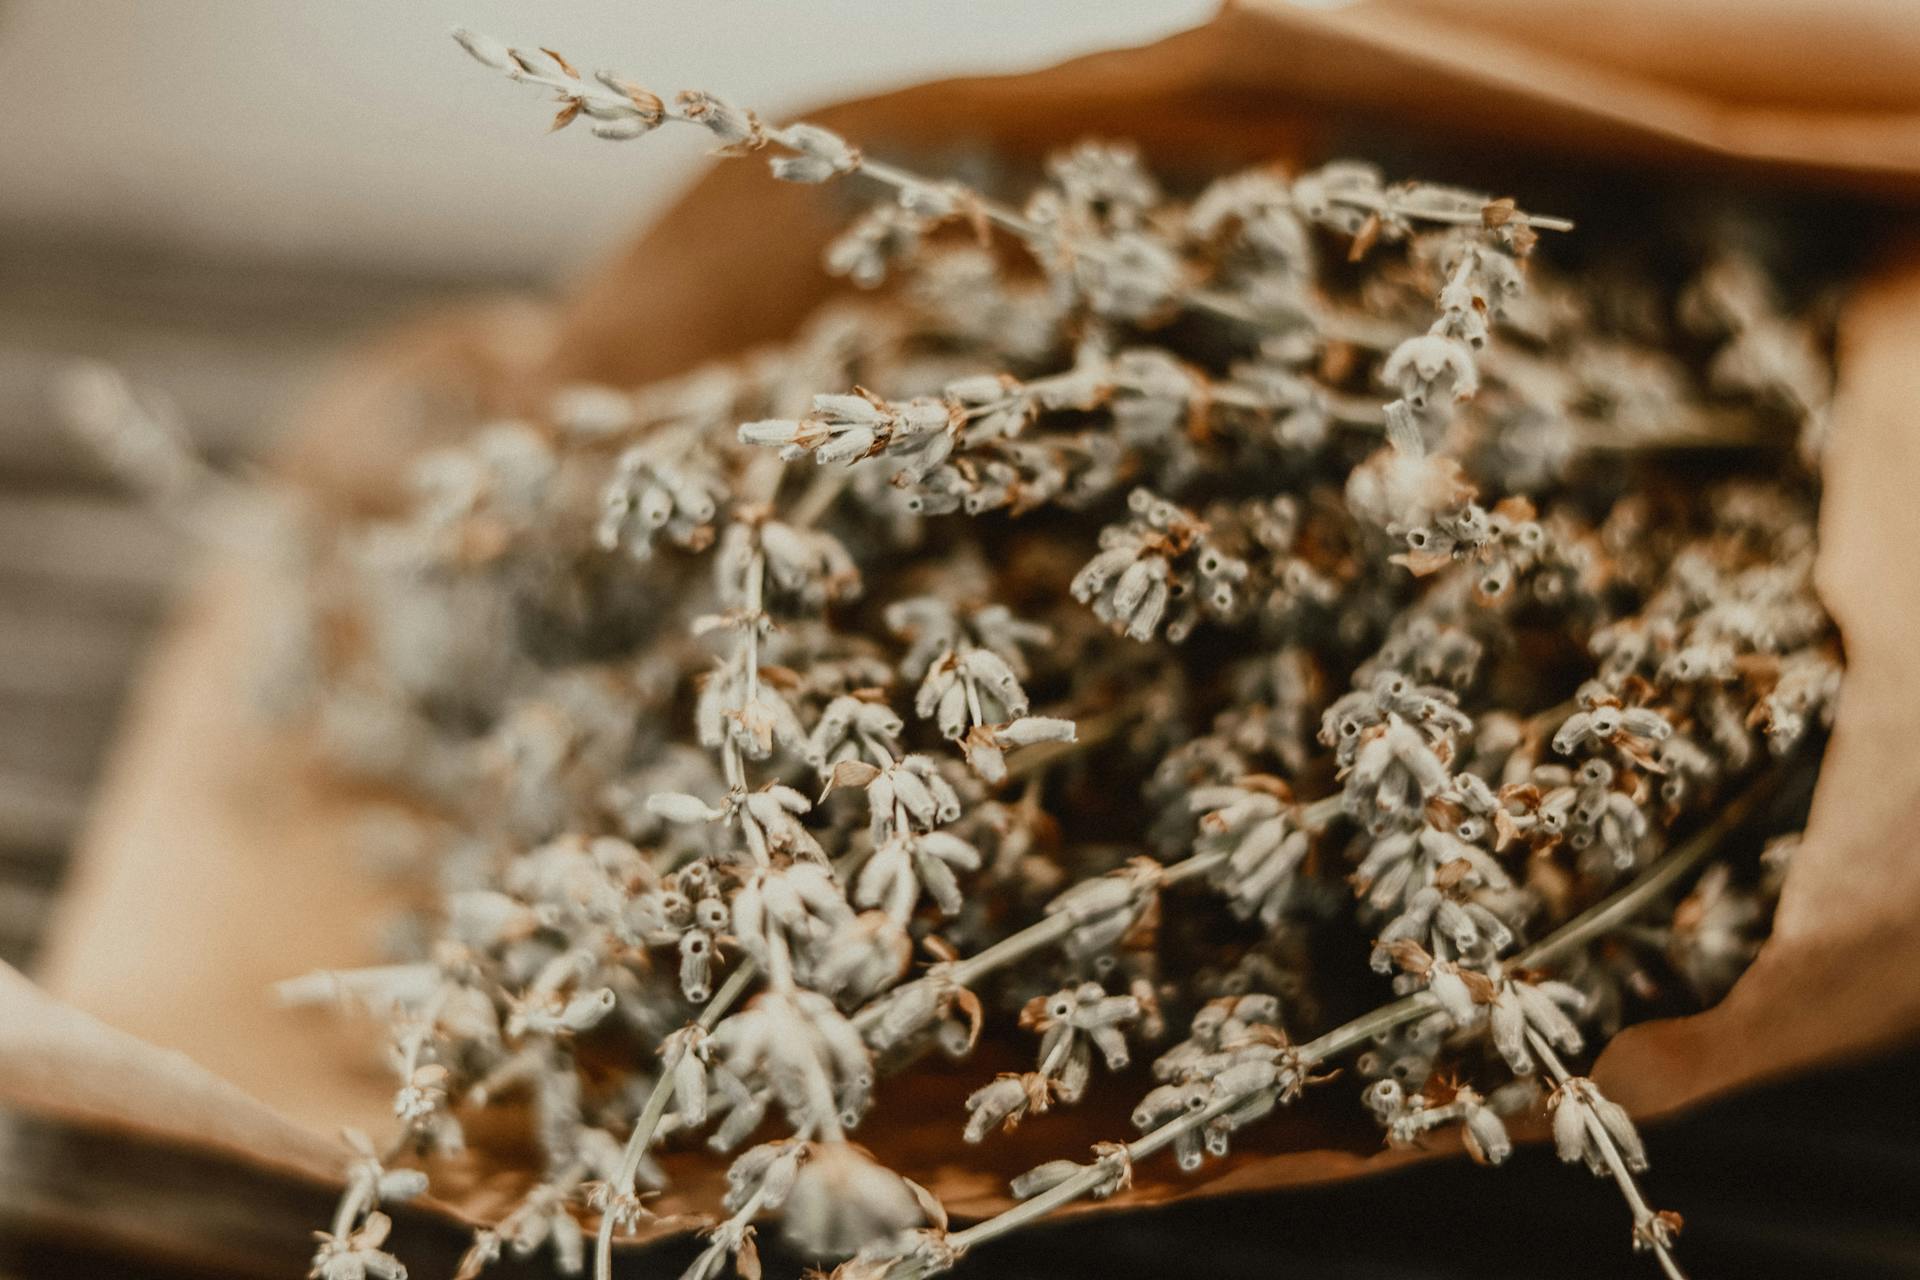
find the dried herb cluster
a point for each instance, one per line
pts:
(1288, 556)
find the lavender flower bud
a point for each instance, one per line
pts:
(1104, 909)
(1570, 1137)
(1002, 1101)
(690, 1082)
(485, 50)
(696, 965)
(735, 129)
(842, 1201)
(1486, 1137)
(1450, 987)
(864, 956)
(1168, 1102)
(1189, 1150)
(586, 1010)
(1429, 368)
(679, 807)
(484, 918)
(1620, 1127)
(1044, 1177)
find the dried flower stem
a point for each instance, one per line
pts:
(1053, 929)
(1610, 913)
(648, 1121)
(1648, 1227)
(624, 110)
(1091, 732)
(1596, 921)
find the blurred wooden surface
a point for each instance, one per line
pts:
(85, 570)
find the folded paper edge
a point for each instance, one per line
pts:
(60, 1062)
(1876, 149)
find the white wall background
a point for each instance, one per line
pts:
(355, 132)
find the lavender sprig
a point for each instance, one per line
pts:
(1604, 917)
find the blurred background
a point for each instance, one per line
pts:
(221, 196)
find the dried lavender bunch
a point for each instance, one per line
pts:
(1334, 541)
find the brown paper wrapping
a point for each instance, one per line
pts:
(216, 861)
